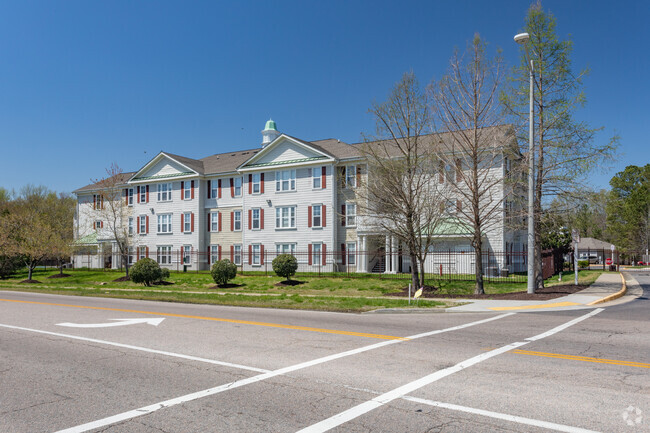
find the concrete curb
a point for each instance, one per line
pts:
(613, 295)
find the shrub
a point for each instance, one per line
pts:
(222, 271)
(583, 263)
(9, 265)
(285, 265)
(146, 271)
(164, 274)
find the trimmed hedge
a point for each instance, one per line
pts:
(222, 271)
(285, 265)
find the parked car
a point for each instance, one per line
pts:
(642, 263)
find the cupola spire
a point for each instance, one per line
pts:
(269, 133)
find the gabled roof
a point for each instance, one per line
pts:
(195, 167)
(593, 244)
(322, 154)
(120, 180)
(227, 162)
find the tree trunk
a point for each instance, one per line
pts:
(478, 268)
(30, 268)
(415, 277)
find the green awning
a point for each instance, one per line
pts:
(90, 239)
(452, 227)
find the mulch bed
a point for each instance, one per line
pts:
(544, 294)
(30, 281)
(122, 279)
(226, 286)
(289, 283)
(59, 276)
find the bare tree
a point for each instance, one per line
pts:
(467, 109)
(399, 196)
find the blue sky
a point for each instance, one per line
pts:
(87, 83)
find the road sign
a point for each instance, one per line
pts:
(612, 248)
(575, 236)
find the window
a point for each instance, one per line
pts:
(143, 224)
(187, 190)
(164, 255)
(317, 177)
(350, 214)
(237, 187)
(214, 188)
(351, 176)
(214, 221)
(98, 201)
(130, 259)
(143, 194)
(256, 254)
(285, 249)
(285, 180)
(131, 227)
(98, 225)
(164, 192)
(352, 253)
(142, 252)
(236, 256)
(130, 197)
(316, 215)
(164, 223)
(256, 183)
(214, 254)
(316, 253)
(187, 254)
(285, 217)
(236, 220)
(450, 207)
(187, 222)
(255, 219)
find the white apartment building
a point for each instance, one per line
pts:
(286, 196)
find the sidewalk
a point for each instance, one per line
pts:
(607, 284)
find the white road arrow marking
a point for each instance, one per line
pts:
(119, 322)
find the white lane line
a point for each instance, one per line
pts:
(142, 349)
(401, 391)
(232, 385)
(502, 416)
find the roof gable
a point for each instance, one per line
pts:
(286, 150)
(165, 166)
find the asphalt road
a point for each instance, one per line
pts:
(221, 369)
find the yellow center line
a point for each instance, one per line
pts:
(582, 358)
(217, 319)
(532, 307)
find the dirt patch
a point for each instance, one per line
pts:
(122, 279)
(30, 281)
(544, 294)
(59, 276)
(226, 286)
(289, 283)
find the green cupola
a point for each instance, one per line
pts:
(270, 132)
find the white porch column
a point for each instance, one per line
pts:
(394, 257)
(362, 254)
(387, 256)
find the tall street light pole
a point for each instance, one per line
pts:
(523, 38)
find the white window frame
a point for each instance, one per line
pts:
(255, 220)
(317, 178)
(187, 255)
(214, 254)
(98, 224)
(142, 252)
(257, 183)
(351, 251)
(143, 193)
(286, 248)
(131, 226)
(316, 256)
(237, 249)
(214, 221)
(236, 216)
(256, 252)
(164, 192)
(350, 216)
(164, 254)
(214, 188)
(285, 180)
(187, 190)
(289, 218)
(187, 222)
(320, 216)
(164, 225)
(129, 194)
(351, 176)
(143, 224)
(131, 255)
(237, 184)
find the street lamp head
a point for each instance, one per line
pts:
(522, 38)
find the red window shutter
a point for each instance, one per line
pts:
(137, 219)
(459, 205)
(309, 253)
(101, 224)
(232, 221)
(94, 201)
(308, 216)
(323, 217)
(192, 222)
(232, 253)
(209, 222)
(250, 183)
(261, 254)
(261, 219)
(262, 183)
(324, 254)
(250, 219)
(459, 166)
(219, 249)
(219, 188)
(147, 194)
(232, 187)
(219, 228)
(126, 196)
(182, 221)
(146, 250)
(323, 176)
(138, 195)
(192, 191)
(358, 175)
(343, 261)
(182, 190)
(441, 172)
(147, 223)
(209, 189)
(182, 255)
(250, 254)
(342, 214)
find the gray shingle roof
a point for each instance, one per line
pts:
(120, 180)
